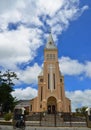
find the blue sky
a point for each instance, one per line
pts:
(24, 27)
(76, 44)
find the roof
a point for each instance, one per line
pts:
(50, 43)
(23, 103)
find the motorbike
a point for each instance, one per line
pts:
(18, 120)
(20, 123)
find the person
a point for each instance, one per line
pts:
(23, 110)
(19, 118)
(21, 122)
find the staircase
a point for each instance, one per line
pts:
(51, 120)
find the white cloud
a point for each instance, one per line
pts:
(88, 69)
(20, 46)
(68, 66)
(71, 67)
(49, 7)
(79, 98)
(9, 12)
(29, 12)
(5, 5)
(30, 75)
(26, 93)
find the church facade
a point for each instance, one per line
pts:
(51, 94)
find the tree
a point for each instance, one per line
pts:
(8, 77)
(6, 87)
(77, 110)
(81, 111)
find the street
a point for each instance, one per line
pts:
(2, 127)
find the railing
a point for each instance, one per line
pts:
(56, 119)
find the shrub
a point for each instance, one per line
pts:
(8, 116)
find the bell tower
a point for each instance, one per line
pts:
(51, 94)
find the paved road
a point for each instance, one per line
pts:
(45, 128)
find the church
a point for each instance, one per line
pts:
(51, 94)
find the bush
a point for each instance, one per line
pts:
(8, 116)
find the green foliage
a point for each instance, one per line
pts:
(6, 87)
(8, 77)
(81, 111)
(8, 116)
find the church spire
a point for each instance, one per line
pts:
(50, 43)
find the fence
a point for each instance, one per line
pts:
(56, 119)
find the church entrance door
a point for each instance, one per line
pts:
(49, 109)
(51, 105)
(53, 109)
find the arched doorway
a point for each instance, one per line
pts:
(51, 105)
